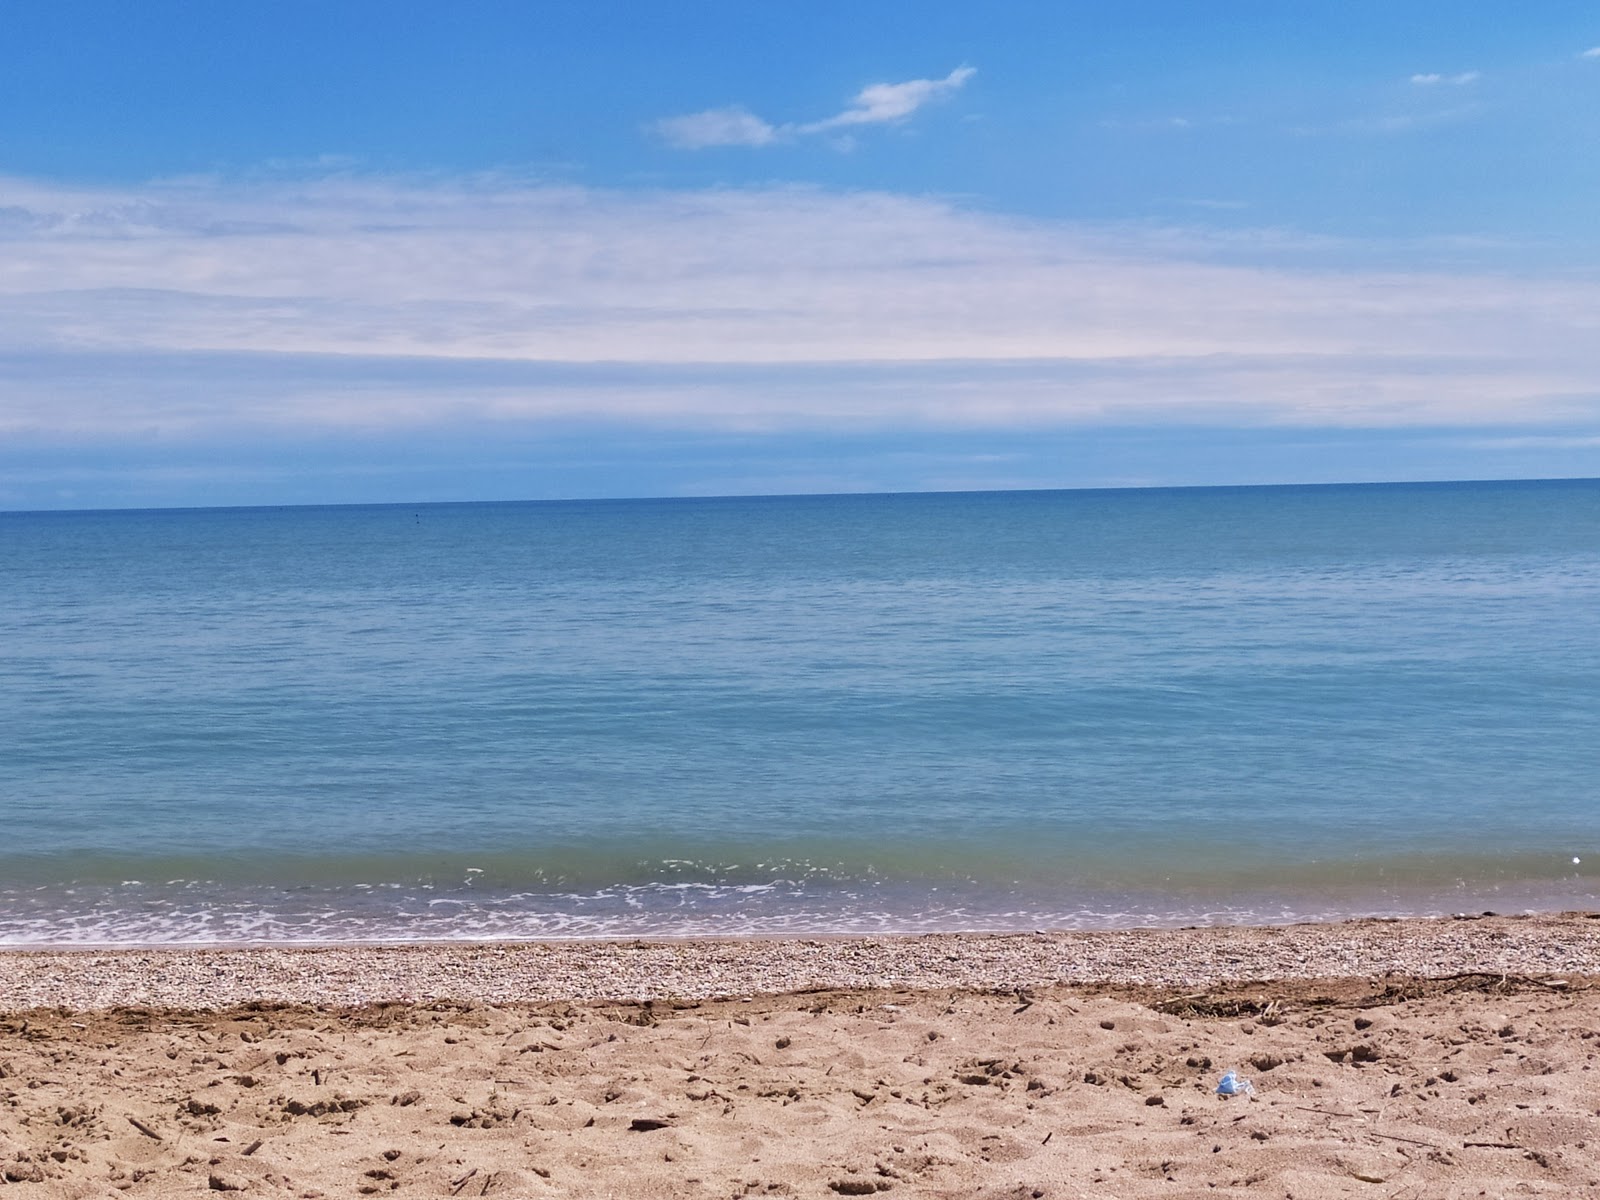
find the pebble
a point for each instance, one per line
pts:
(1561, 945)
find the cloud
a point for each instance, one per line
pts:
(1539, 441)
(715, 127)
(1591, 52)
(1393, 123)
(875, 104)
(886, 103)
(1432, 80)
(1156, 123)
(204, 307)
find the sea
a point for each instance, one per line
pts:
(798, 715)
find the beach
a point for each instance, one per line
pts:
(1413, 1058)
(751, 600)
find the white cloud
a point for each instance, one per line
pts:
(875, 104)
(1591, 52)
(1433, 79)
(716, 127)
(373, 303)
(885, 103)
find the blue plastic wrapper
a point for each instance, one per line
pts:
(1234, 1084)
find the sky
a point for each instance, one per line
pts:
(384, 251)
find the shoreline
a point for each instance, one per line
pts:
(150, 917)
(212, 978)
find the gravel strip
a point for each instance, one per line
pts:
(1559, 944)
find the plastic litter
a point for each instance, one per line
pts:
(1234, 1084)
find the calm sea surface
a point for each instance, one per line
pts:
(975, 711)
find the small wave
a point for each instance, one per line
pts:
(151, 915)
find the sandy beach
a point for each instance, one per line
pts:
(1434, 1058)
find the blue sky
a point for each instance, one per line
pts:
(312, 252)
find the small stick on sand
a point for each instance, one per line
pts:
(1395, 1137)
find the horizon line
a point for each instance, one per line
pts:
(1001, 491)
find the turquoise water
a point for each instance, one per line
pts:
(961, 711)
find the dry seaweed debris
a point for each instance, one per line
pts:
(1268, 1001)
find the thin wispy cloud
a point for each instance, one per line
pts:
(1415, 121)
(1392, 123)
(888, 103)
(1432, 79)
(1154, 124)
(875, 104)
(207, 308)
(716, 127)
